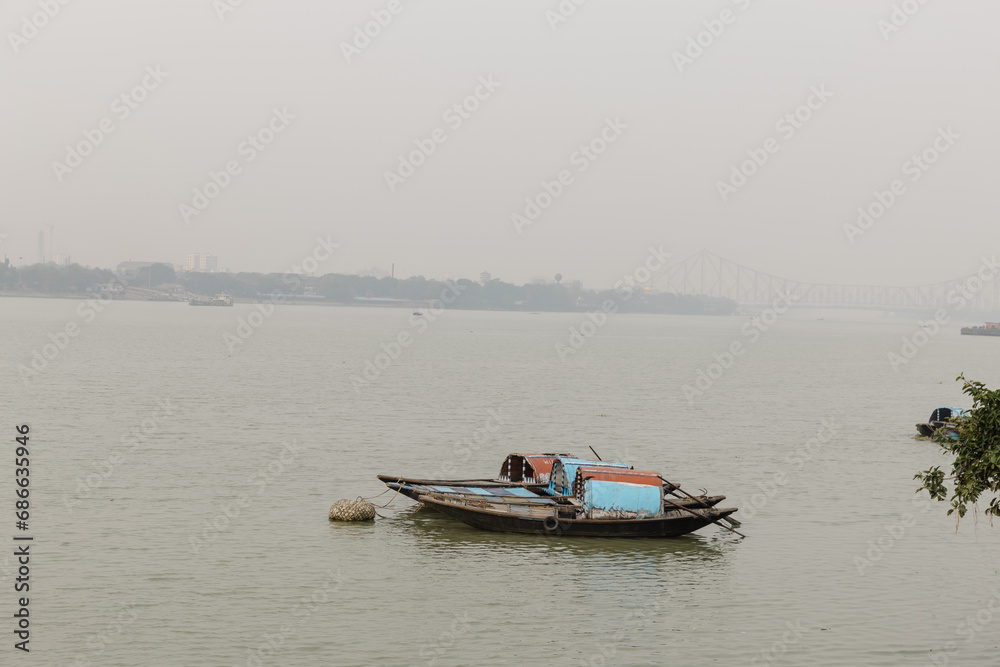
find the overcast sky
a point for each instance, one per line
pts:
(673, 130)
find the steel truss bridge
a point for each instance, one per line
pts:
(707, 274)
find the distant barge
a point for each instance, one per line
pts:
(988, 329)
(219, 300)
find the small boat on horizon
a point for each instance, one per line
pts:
(221, 299)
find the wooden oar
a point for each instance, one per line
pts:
(731, 521)
(715, 521)
(707, 518)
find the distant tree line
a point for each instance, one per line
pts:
(50, 278)
(494, 295)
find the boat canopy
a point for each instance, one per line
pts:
(944, 414)
(564, 472)
(620, 493)
(528, 468)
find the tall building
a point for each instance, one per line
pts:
(202, 262)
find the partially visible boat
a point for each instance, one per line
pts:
(988, 329)
(942, 418)
(221, 299)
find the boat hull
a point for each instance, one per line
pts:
(673, 524)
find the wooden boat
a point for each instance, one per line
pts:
(942, 418)
(565, 495)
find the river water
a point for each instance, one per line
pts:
(181, 480)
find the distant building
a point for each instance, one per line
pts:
(61, 260)
(202, 262)
(485, 277)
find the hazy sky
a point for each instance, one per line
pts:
(278, 71)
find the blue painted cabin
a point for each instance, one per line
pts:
(610, 492)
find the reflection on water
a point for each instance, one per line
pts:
(592, 557)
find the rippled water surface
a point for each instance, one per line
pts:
(180, 490)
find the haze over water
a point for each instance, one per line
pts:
(415, 586)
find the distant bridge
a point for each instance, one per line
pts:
(708, 274)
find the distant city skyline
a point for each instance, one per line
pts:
(209, 263)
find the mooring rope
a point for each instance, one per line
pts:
(400, 486)
(387, 490)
